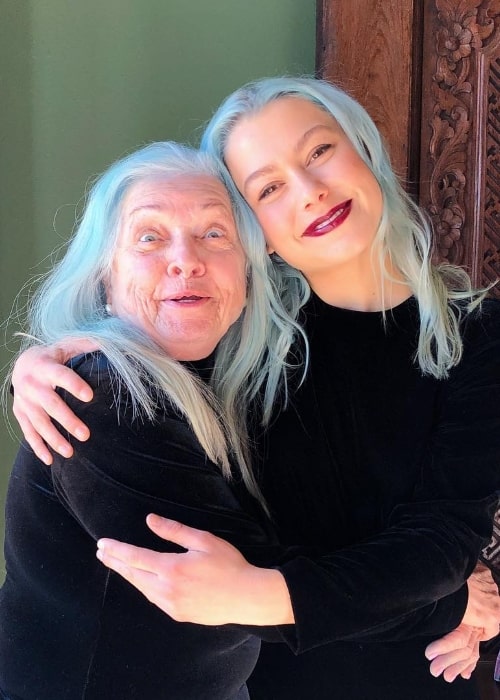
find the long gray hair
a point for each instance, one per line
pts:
(443, 292)
(250, 361)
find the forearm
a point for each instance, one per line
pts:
(409, 581)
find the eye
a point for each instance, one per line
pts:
(267, 191)
(149, 237)
(320, 150)
(213, 233)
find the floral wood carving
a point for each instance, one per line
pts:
(466, 32)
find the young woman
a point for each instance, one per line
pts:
(386, 458)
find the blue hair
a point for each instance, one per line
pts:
(443, 292)
(250, 361)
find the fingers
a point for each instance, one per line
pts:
(34, 418)
(71, 347)
(187, 537)
(115, 554)
(35, 441)
(456, 654)
(451, 665)
(36, 403)
(457, 639)
(145, 581)
(468, 670)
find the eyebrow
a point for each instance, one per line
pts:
(268, 169)
(210, 204)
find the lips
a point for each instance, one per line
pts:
(187, 298)
(324, 224)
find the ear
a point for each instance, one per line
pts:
(269, 249)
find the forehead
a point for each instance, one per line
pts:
(285, 112)
(190, 192)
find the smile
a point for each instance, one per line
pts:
(325, 224)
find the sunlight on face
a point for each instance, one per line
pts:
(179, 269)
(318, 202)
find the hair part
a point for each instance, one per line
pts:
(444, 292)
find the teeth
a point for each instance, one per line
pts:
(330, 220)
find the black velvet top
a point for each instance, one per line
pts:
(69, 627)
(389, 476)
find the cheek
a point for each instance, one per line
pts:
(273, 224)
(131, 286)
(235, 290)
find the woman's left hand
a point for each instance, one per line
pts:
(210, 584)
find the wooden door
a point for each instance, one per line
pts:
(428, 71)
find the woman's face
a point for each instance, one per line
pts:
(179, 269)
(317, 201)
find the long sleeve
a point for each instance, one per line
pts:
(130, 468)
(432, 522)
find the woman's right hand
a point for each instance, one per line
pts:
(37, 373)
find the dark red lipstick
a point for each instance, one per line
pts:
(324, 224)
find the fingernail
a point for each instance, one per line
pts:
(81, 434)
(65, 451)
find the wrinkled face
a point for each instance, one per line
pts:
(317, 201)
(179, 269)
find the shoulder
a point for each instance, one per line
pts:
(94, 367)
(482, 325)
(480, 362)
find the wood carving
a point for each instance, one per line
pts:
(464, 173)
(491, 250)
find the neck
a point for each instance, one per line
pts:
(361, 289)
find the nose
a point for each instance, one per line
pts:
(184, 260)
(312, 188)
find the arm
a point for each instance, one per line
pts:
(132, 466)
(414, 609)
(388, 587)
(211, 584)
(37, 372)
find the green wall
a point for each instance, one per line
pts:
(81, 83)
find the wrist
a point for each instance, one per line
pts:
(270, 598)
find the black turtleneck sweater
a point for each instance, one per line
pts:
(388, 475)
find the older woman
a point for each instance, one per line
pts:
(377, 463)
(158, 277)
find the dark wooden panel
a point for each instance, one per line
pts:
(363, 45)
(428, 71)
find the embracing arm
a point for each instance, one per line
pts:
(456, 602)
(389, 585)
(132, 466)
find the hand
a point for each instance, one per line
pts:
(36, 373)
(457, 653)
(210, 584)
(483, 605)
